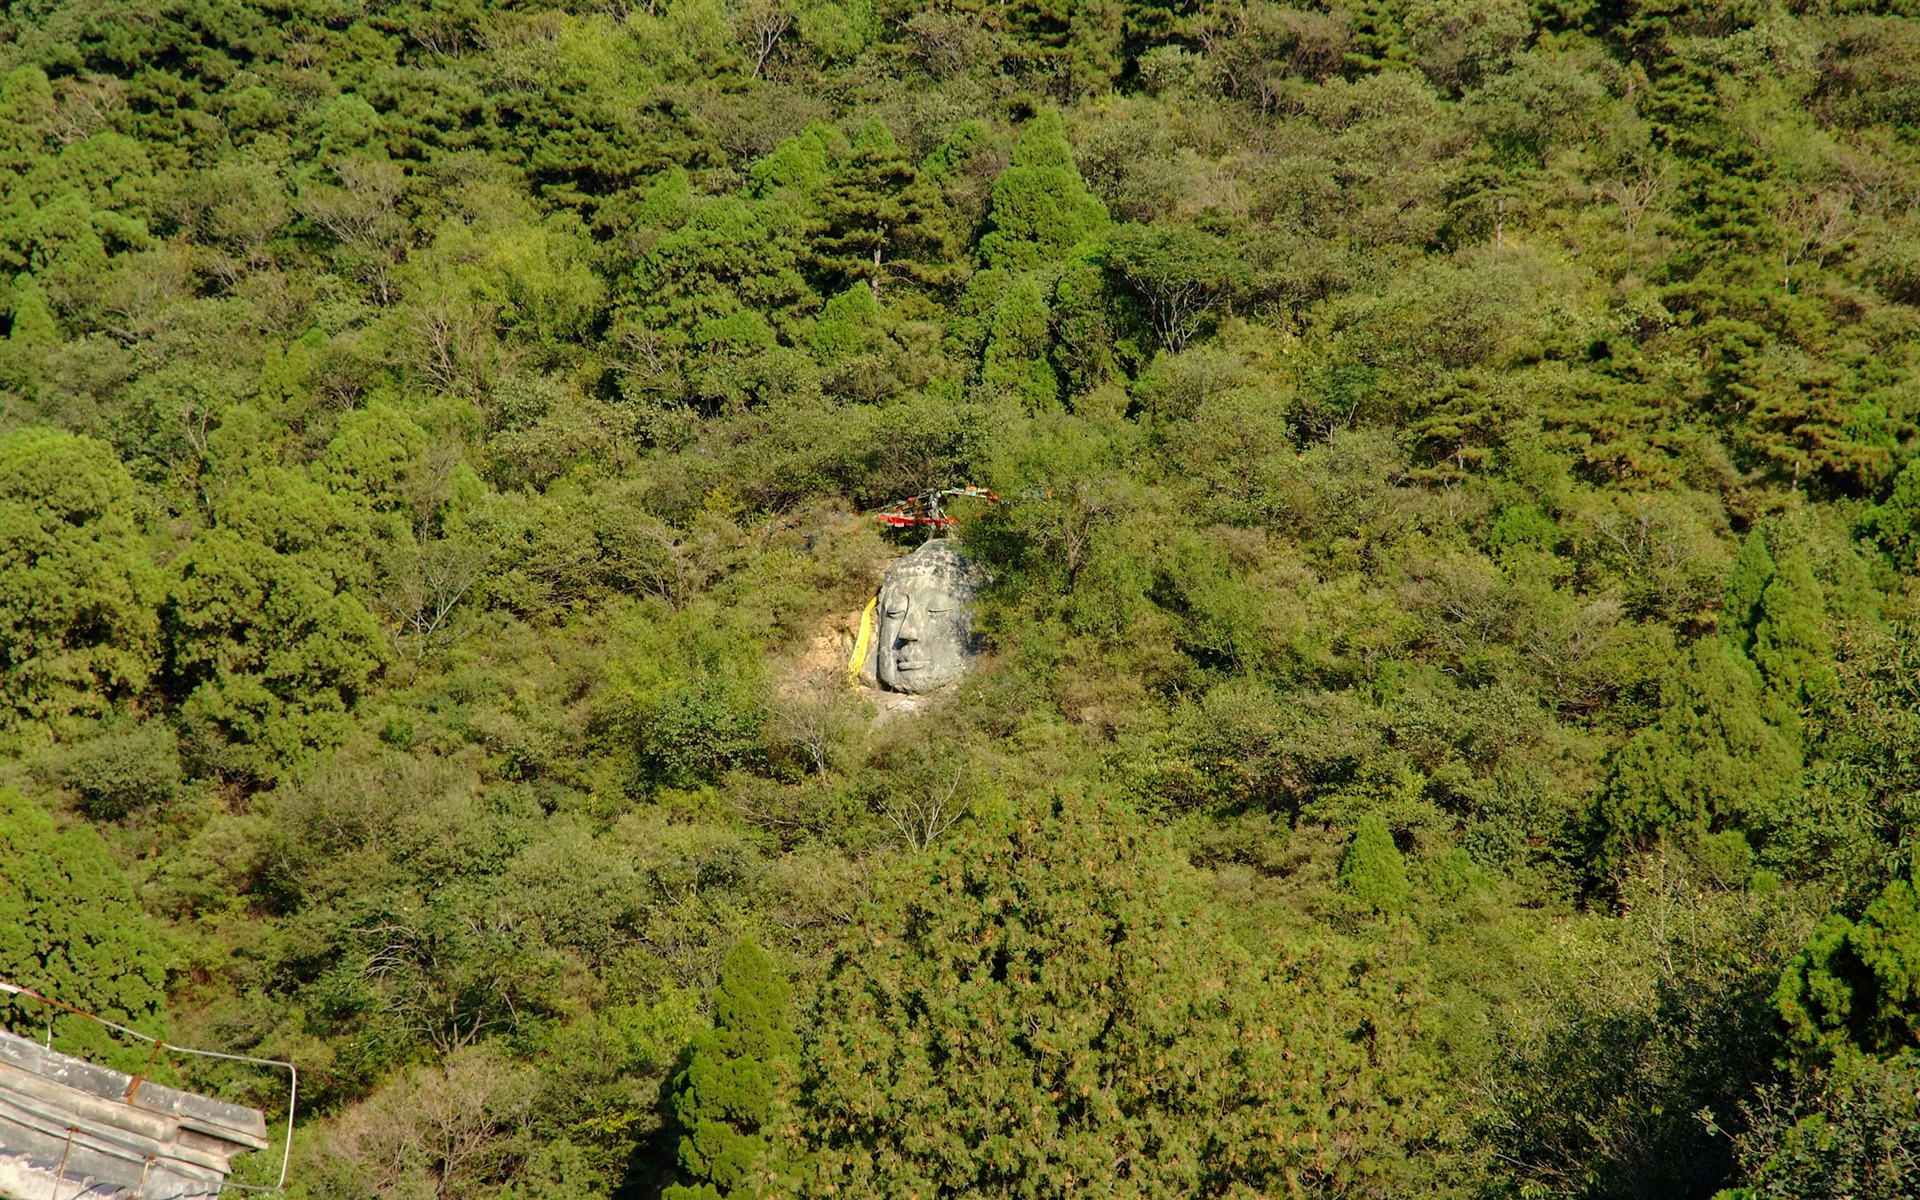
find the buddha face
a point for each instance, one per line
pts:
(924, 636)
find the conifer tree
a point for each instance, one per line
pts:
(1373, 869)
(78, 630)
(1747, 582)
(798, 169)
(880, 220)
(1721, 755)
(727, 1096)
(1017, 344)
(1790, 643)
(1856, 987)
(1041, 207)
(69, 928)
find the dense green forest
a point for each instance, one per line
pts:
(1450, 717)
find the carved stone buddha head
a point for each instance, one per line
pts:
(923, 637)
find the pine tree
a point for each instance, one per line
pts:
(1747, 582)
(1373, 869)
(1790, 641)
(880, 220)
(1016, 354)
(69, 928)
(727, 1097)
(1041, 207)
(1722, 755)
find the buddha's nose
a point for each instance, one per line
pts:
(910, 625)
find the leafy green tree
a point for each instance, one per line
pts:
(1459, 45)
(731, 257)
(850, 325)
(78, 630)
(1181, 275)
(729, 1095)
(1895, 523)
(1041, 207)
(1853, 1134)
(266, 657)
(1790, 642)
(799, 169)
(1747, 582)
(700, 730)
(125, 768)
(69, 929)
(1373, 870)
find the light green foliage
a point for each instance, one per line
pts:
(849, 326)
(729, 1095)
(1373, 869)
(69, 929)
(800, 167)
(77, 627)
(1041, 207)
(1041, 996)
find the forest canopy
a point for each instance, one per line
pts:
(1449, 715)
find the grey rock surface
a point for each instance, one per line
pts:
(923, 636)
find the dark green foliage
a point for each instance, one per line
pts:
(123, 769)
(1856, 987)
(1896, 522)
(727, 1099)
(70, 929)
(1041, 207)
(1182, 276)
(1457, 484)
(1016, 359)
(267, 658)
(879, 220)
(77, 628)
(1722, 755)
(1857, 1137)
(1790, 643)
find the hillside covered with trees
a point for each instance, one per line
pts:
(1450, 717)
